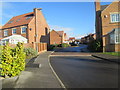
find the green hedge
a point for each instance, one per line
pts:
(65, 45)
(12, 60)
(95, 46)
(30, 52)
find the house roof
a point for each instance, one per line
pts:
(15, 37)
(19, 20)
(61, 33)
(103, 7)
(71, 38)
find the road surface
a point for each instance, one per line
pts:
(85, 72)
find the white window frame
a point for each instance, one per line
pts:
(116, 18)
(5, 33)
(116, 36)
(23, 27)
(13, 29)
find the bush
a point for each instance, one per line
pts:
(30, 52)
(1, 47)
(65, 45)
(51, 47)
(12, 60)
(95, 46)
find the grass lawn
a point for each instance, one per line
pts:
(113, 53)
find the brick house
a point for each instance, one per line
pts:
(71, 39)
(108, 25)
(57, 37)
(0, 32)
(30, 25)
(88, 39)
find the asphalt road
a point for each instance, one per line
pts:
(85, 72)
(79, 48)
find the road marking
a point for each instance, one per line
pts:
(61, 83)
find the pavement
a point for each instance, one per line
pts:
(37, 74)
(107, 57)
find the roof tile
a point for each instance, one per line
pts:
(19, 20)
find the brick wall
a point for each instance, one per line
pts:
(41, 25)
(107, 26)
(18, 31)
(55, 38)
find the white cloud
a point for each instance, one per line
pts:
(60, 28)
(80, 36)
(68, 30)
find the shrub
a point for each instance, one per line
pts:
(95, 46)
(65, 45)
(30, 52)
(1, 47)
(12, 60)
(51, 47)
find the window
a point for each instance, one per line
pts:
(112, 38)
(115, 36)
(18, 20)
(14, 31)
(10, 22)
(23, 29)
(115, 17)
(28, 18)
(5, 33)
(46, 31)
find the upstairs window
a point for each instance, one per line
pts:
(115, 36)
(23, 29)
(18, 20)
(28, 18)
(14, 31)
(115, 17)
(10, 22)
(5, 32)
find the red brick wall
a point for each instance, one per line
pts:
(55, 38)
(41, 25)
(18, 31)
(107, 26)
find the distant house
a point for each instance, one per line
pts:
(66, 38)
(56, 37)
(88, 39)
(30, 25)
(108, 25)
(71, 39)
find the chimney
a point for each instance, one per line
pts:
(97, 5)
(36, 16)
(36, 27)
